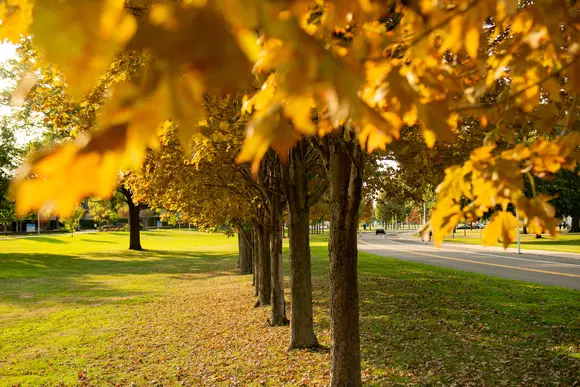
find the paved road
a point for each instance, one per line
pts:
(550, 269)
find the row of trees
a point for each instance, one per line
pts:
(325, 85)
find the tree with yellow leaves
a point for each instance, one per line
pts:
(352, 72)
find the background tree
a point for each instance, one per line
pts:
(71, 223)
(108, 210)
(134, 218)
(563, 188)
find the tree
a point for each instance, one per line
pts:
(353, 71)
(134, 223)
(302, 166)
(563, 188)
(108, 210)
(71, 223)
(366, 212)
(345, 172)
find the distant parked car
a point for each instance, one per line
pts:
(479, 226)
(380, 231)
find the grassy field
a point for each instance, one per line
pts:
(565, 242)
(85, 311)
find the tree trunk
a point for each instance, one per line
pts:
(575, 224)
(134, 210)
(134, 232)
(264, 266)
(345, 180)
(296, 187)
(245, 253)
(255, 261)
(278, 316)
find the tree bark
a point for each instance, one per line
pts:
(264, 266)
(278, 316)
(575, 224)
(345, 181)
(296, 188)
(245, 253)
(134, 232)
(134, 226)
(255, 261)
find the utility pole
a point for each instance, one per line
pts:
(518, 218)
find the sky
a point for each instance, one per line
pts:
(8, 51)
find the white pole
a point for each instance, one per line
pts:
(38, 231)
(518, 218)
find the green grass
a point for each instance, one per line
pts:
(564, 242)
(85, 311)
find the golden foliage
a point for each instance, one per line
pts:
(317, 66)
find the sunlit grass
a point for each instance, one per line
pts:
(562, 242)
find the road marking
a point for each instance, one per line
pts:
(477, 262)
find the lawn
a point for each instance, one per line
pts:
(564, 242)
(85, 311)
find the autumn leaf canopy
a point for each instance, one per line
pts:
(307, 68)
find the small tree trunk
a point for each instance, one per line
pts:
(278, 316)
(575, 224)
(264, 266)
(345, 180)
(245, 253)
(255, 261)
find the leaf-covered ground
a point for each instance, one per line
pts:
(84, 311)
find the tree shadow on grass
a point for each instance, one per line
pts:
(96, 241)
(46, 240)
(95, 278)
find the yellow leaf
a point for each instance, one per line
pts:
(82, 37)
(266, 129)
(435, 124)
(216, 56)
(503, 224)
(248, 41)
(445, 217)
(299, 109)
(16, 16)
(472, 41)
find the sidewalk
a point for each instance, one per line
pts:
(48, 234)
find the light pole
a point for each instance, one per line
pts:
(38, 221)
(518, 233)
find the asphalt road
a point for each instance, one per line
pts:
(550, 269)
